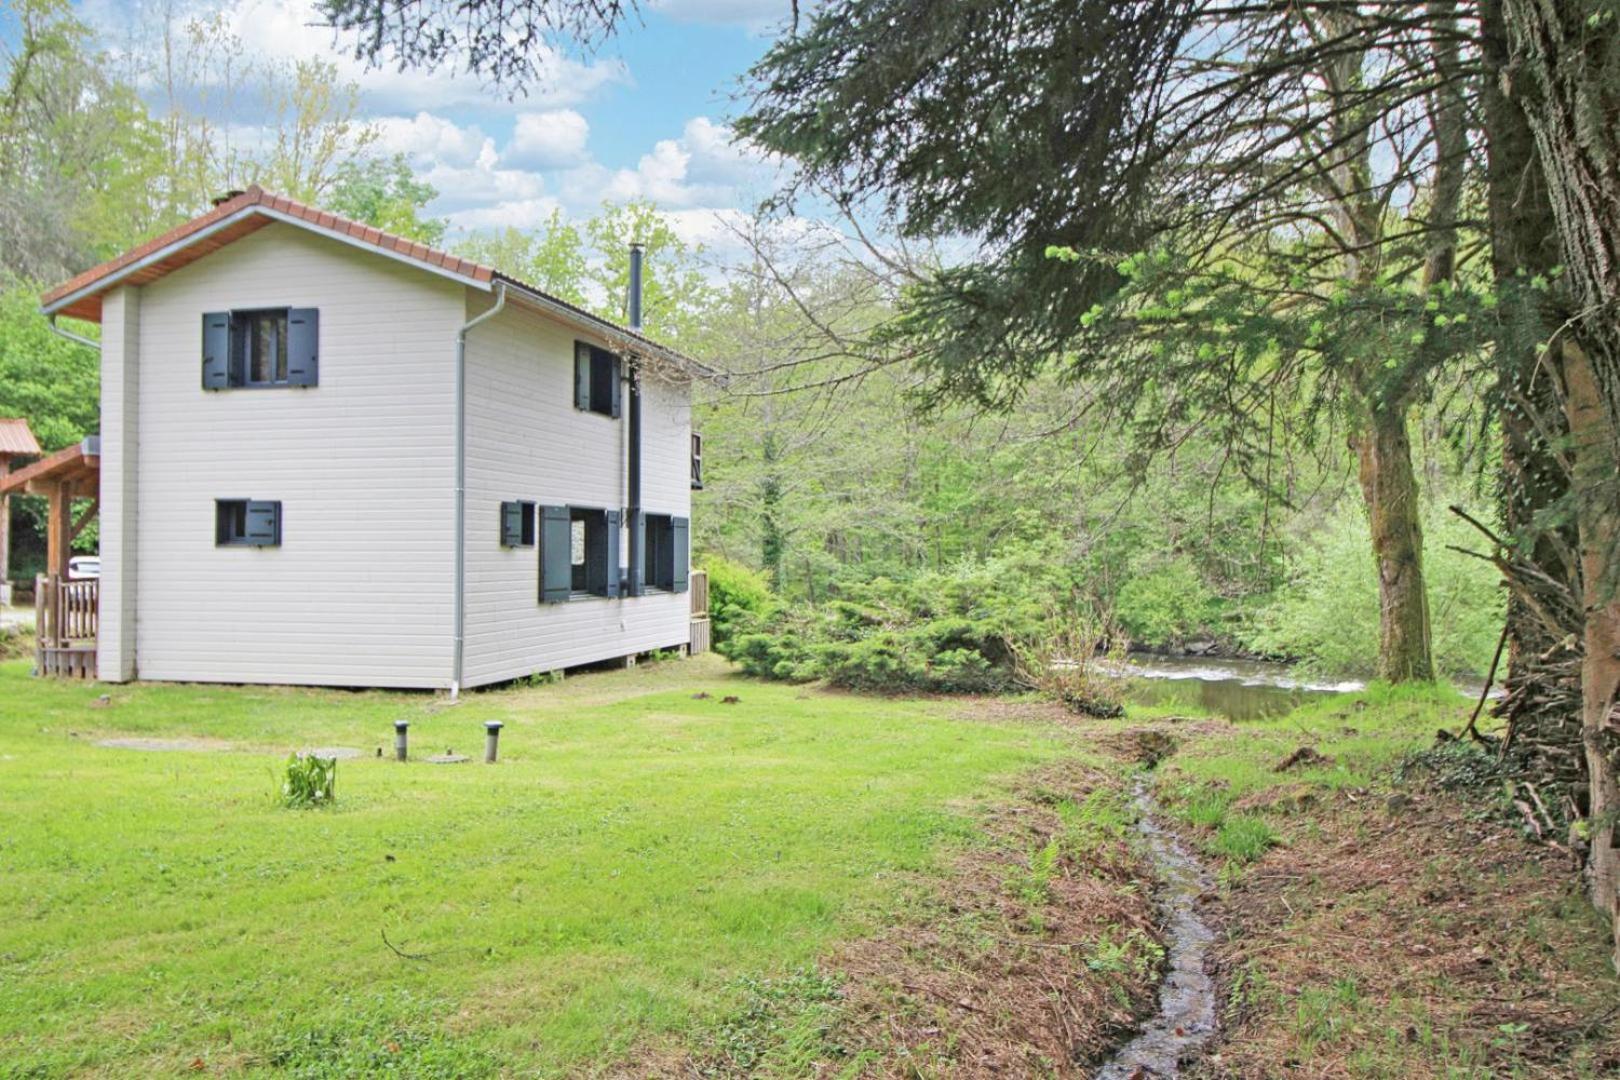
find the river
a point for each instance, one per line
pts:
(1236, 689)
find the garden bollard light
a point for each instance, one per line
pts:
(492, 737)
(400, 727)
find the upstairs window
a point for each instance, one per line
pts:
(697, 462)
(247, 523)
(596, 380)
(261, 348)
(260, 339)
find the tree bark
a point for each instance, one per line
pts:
(1383, 452)
(1541, 707)
(1382, 446)
(1592, 444)
(1565, 73)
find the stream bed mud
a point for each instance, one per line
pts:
(1186, 1019)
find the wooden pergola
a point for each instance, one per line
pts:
(66, 611)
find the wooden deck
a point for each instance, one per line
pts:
(66, 620)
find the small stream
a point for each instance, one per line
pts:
(1186, 1016)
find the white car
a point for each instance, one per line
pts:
(84, 567)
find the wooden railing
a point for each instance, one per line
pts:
(66, 611)
(698, 586)
(66, 618)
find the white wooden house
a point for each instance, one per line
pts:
(332, 456)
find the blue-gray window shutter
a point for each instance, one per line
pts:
(263, 523)
(556, 555)
(610, 554)
(511, 524)
(582, 375)
(216, 350)
(303, 346)
(681, 543)
(618, 388)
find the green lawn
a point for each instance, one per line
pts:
(637, 857)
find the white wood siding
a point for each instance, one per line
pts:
(525, 440)
(120, 425)
(359, 592)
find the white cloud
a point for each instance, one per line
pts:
(517, 214)
(703, 167)
(426, 137)
(288, 30)
(754, 14)
(548, 140)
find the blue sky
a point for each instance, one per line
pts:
(645, 116)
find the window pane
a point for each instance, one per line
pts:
(576, 538)
(278, 326)
(261, 351)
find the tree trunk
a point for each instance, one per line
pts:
(772, 543)
(1592, 439)
(1566, 76)
(1541, 707)
(1389, 485)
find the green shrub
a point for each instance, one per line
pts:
(938, 632)
(1327, 613)
(310, 781)
(738, 595)
(16, 643)
(1165, 602)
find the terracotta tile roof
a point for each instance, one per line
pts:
(89, 306)
(79, 298)
(15, 438)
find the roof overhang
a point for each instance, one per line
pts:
(248, 211)
(620, 339)
(85, 302)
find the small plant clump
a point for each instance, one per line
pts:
(1073, 656)
(310, 782)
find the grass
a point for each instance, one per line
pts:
(641, 865)
(1384, 916)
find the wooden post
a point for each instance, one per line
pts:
(58, 530)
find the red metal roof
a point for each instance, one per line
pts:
(15, 438)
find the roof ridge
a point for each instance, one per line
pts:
(254, 195)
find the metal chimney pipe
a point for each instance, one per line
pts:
(400, 729)
(492, 739)
(635, 285)
(634, 585)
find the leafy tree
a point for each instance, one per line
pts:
(52, 382)
(78, 154)
(674, 291)
(1295, 226)
(551, 258)
(384, 193)
(498, 39)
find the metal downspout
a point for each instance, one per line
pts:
(461, 485)
(71, 336)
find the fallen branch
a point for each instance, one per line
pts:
(1472, 730)
(404, 955)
